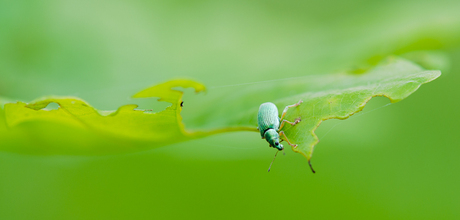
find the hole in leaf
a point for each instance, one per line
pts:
(151, 105)
(52, 106)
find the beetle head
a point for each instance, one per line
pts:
(273, 138)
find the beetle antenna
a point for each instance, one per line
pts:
(272, 161)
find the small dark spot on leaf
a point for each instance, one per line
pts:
(182, 104)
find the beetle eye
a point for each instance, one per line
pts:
(277, 143)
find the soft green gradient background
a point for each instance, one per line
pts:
(397, 162)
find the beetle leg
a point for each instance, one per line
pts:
(286, 139)
(297, 120)
(287, 107)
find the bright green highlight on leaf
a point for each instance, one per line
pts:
(324, 97)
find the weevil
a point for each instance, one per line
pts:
(270, 125)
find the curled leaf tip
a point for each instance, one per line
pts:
(311, 167)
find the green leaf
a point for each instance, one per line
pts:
(221, 110)
(335, 96)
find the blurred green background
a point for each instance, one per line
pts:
(396, 162)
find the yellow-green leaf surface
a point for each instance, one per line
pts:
(126, 127)
(77, 128)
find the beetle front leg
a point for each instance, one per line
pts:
(287, 107)
(286, 139)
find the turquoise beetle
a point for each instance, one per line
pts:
(270, 125)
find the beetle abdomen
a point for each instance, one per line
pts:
(268, 117)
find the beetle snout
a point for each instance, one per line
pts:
(278, 146)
